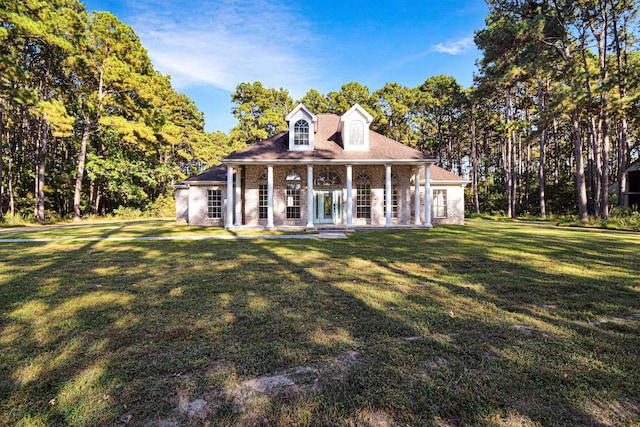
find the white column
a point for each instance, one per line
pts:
(349, 196)
(416, 195)
(269, 196)
(229, 218)
(387, 199)
(427, 195)
(309, 196)
(238, 206)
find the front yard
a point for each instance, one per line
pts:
(486, 324)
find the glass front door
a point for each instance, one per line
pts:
(328, 206)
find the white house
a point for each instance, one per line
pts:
(324, 171)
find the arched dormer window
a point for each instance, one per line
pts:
(301, 133)
(354, 129)
(356, 133)
(302, 127)
(327, 179)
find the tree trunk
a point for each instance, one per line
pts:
(527, 176)
(623, 159)
(543, 143)
(603, 141)
(623, 146)
(41, 172)
(604, 174)
(556, 154)
(1, 164)
(474, 165)
(581, 190)
(12, 206)
(508, 159)
(81, 160)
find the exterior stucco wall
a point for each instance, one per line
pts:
(197, 211)
(182, 204)
(455, 204)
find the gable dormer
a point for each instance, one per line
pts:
(354, 128)
(303, 125)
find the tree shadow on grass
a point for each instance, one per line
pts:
(135, 330)
(506, 310)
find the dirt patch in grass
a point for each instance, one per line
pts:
(249, 395)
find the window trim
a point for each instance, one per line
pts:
(301, 133)
(214, 203)
(440, 209)
(293, 205)
(356, 129)
(363, 200)
(263, 201)
(394, 199)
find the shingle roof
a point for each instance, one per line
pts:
(327, 146)
(216, 173)
(439, 174)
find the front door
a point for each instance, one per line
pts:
(328, 206)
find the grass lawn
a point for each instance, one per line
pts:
(487, 324)
(130, 228)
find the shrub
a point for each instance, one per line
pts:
(123, 212)
(164, 206)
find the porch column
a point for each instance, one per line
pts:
(309, 196)
(416, 195)
(387, 198)
(228, 223)
(349, 196)
(427, 195)
(269, 196)
(237, 200)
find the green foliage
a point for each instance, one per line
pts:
(116, 132)
(123, 212)
(260, 112)
(164, 206)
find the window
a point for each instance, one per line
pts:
(327, 179)
(301, 133)
(262, 201)
(214, 204)
(262, 197)
(293, 201)
(439, 203)
(363, 195)
(356, 133)
(363, 201)
(293, 196)
(394, 200)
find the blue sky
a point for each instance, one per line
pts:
(210, 46)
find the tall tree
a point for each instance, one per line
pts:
(260, 112)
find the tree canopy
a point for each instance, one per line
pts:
(551, 121)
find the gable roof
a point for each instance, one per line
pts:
(442, 175)
(327, 147)
(215, 174)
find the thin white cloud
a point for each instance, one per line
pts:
(455, 47)
(224, 43)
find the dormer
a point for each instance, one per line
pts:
(354, 128)
(303, 125)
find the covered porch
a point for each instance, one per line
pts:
(324, 196)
